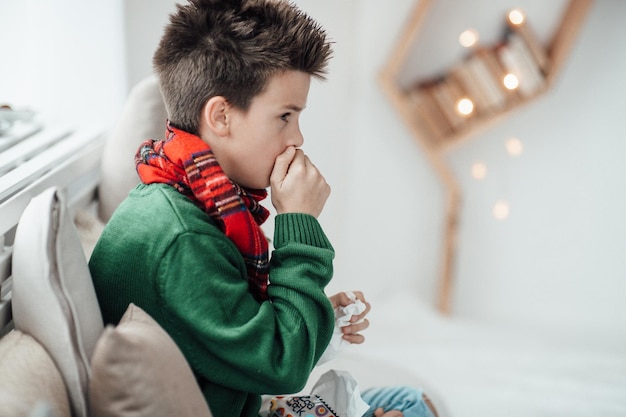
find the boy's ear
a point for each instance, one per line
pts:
(215, 115)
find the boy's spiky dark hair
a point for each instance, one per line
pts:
(230, 48)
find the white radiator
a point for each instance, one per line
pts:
(33, 158)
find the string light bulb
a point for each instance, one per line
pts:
(501, 210)
(464, 106)
(516, 16)
(479, 170)
(514, 146)
(510, 81)
(468, 38)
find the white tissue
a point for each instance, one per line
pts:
(335, 394)
(342, 319)
(340, 391)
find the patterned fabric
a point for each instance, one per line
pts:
(300, 406)
(187, 163)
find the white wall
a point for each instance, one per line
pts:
(144, 23)
(556, 261)
(63, 59)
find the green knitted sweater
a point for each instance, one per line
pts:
(163, 253)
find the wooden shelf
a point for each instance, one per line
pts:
(416, 105)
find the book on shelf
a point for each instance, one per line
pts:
(472, 87)
(427, 115)
(486, 70)
(456, 91)
(517, 59)
(444, 94)
(535, 48)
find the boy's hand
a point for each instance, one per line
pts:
(297, 185)
(379, 412)
(360, 323)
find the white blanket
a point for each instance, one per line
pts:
(476, 370)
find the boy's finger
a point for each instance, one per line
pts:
(344, 300)
(361, 316)
(355, 339)
(356, 327)
(281, 165)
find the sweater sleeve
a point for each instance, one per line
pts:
(229, 337)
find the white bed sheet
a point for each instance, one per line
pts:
(476, 370)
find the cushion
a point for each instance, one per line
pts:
(89, 227)
(28, 376)
(138, 370)
(53, 296)
(143, 117)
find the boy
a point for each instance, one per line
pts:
(186, 245)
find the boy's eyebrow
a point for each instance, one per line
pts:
(294, 107)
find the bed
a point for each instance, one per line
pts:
(476, 369)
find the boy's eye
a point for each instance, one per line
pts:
(285, 117)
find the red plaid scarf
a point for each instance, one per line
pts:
(187, 163)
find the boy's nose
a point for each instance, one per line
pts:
(297, 140)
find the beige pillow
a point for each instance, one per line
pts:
(143, 117)
(53, 298)
(29, 377)
(137, 370)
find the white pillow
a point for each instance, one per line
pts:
(53, 296)
(28, 377)
(137, 370)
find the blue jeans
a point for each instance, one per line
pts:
(402, 398)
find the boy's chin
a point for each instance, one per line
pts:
(256, 186)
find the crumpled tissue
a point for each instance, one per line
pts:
(335, 394)
(342, 319)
